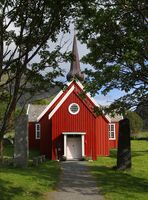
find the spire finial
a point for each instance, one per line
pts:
(75, 71)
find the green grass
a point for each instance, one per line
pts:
(124, 185)
(31, 183)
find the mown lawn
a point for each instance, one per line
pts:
(124, 185)
(31, 183)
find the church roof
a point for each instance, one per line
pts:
(116, 118)
(34, 111)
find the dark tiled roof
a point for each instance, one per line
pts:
(34, 111)
(116, 118)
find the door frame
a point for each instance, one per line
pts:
(74, 133)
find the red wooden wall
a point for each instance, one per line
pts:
(63, 121)
(33, 143)
(97, 141)
(114, 143)
(102, 136)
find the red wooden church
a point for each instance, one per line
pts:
(68, 126)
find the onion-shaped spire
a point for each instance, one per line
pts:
(75, 71)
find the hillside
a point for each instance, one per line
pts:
(142, 110)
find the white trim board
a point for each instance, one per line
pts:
(49, 106)
(114, 131)
(82, 142)
(52, 102)
(28, 109)
(61, 102)
(95, 103)
(73, 133)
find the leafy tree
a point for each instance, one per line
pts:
(116, 35)
(136, 122)
(27, 28)
(115, 32)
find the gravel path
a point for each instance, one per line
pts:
(76, 183)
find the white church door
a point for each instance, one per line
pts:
(74, 148)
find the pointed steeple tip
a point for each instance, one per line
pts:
(75, 71)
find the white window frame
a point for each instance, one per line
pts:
(37, 131)
(71, 111)
(114, 131)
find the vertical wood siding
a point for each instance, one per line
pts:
(63, 121)
(51, 142)
(33, 143)
(45, 141)
(102, 136)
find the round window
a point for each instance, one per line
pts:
(74, 108)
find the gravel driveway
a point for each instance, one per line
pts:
(76, 183)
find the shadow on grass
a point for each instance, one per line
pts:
(113, 153)
(119, 181)
(8, 191)
(32, 181)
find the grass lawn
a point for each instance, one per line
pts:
(31, 183)
(124, 185)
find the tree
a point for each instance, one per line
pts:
(116, 35)
(136, 122)
(115, 32)
(26, 28)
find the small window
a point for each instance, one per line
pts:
(74, 108)
(112, 132)
(37, 131)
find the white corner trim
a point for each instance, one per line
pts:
(69, 83)
(28, 109)
(52, 102)
(108, 118)
(80, 84)
(87, 94)
(92, 99)
(49, 106)
(61, 102)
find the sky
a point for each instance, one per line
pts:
(82, 50)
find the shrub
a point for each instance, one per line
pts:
(136, 122)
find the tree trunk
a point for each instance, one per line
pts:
(124, 146)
